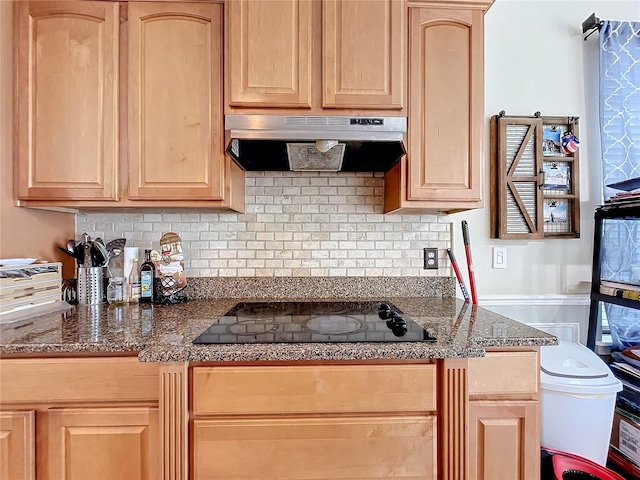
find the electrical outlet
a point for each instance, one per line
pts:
(430, 258)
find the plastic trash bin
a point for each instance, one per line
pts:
(577, 401)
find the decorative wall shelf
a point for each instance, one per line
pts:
(535, 182)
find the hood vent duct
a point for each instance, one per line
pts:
(315, 143)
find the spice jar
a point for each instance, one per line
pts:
(116, 291)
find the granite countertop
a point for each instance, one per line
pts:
(164, 333)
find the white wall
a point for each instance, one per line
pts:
(536, 60)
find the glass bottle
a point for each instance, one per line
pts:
(147, 275)
(134, 282)
(116, 291)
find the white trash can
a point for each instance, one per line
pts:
(577, 401)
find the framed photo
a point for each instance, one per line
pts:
(555, 212)
(556, 176)
(551, 143)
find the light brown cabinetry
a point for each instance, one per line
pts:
(105, 443)
(175, 101)
(160, 66)
(67, 104)
(334, 54)
(79, 418)
(337, 421)
(504, 440)
(504, 423)
(269, 48)
(442, 169)
(17, 445)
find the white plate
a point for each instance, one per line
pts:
(5, 262)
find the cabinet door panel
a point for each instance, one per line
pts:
(17, 445)
(269, 53)
(67, 100)
(364, 448)
(504, 440)
(175, 101)
(104, 443)
(363, 54)
(446, 104)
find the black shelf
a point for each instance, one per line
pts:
(623, 210)
(624, 302)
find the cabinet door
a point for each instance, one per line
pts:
(176, 148)
(504, 440)
(67, 100)
(445, 128)
(103, 443)
(269, 48)
(331, 448)
(17, 445)
(363, 54)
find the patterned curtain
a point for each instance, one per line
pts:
(620, 135)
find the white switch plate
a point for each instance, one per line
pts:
(499, 257)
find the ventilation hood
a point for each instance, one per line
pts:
(315, 143)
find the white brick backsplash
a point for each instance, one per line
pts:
(296, 224)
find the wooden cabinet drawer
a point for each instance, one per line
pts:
(328, 448)
(51, 380)
(300, 389)
(504, 373)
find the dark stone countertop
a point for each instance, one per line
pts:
(163, 333)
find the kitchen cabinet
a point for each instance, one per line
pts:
(75, 417)
(504, 425)
(504, 440)
(134, 117)
(319, 57)
(442, 168)
(17, 445)
(67, 103)
(85, 441)
(337, 421)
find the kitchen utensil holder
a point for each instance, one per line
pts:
(91, 285)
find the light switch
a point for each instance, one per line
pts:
(499, 257)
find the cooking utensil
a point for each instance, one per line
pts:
(71, 246)
(99, 254)
(118, 243)
(86, 255)
(467, 248)
(70, 253)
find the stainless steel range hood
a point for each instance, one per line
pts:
(315, 143)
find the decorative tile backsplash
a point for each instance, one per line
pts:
(296, 224)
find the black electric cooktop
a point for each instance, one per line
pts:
(313, 322)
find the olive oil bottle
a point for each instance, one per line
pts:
(147, 277)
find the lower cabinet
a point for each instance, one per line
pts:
(504, 440)
(84, 443)
(17, 445)
(323, 422)
(367, 447)
(79, 419)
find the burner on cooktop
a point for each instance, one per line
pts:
(310, 322)
(334, 324)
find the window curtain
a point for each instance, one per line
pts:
(620, 138)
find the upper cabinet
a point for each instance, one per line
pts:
(446, 113)
(363, 46)
(175, 101)
(319, 57)
(269, 46)
(67, 105)
(121, 104)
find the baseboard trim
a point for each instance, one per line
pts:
(521, 300)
